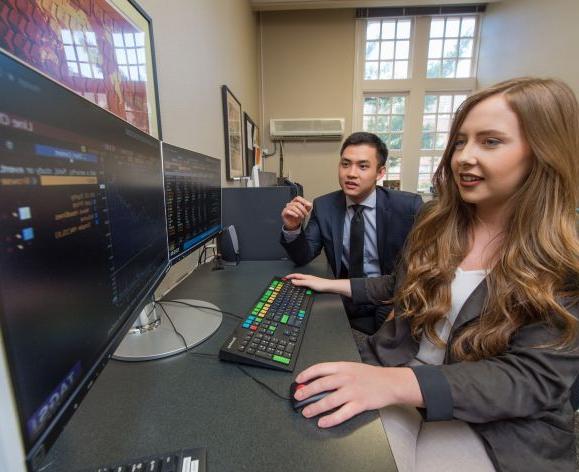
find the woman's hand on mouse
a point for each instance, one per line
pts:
(319, 284)
(357, 388)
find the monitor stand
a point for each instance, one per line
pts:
(152, 336)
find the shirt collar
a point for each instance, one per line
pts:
(369, 202)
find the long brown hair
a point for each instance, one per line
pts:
(538, 254)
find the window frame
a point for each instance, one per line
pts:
(415, 88)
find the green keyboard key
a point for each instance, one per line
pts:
(284, 319)
(281, 359)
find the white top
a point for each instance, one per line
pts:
(461, 288)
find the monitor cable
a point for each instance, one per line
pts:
(213, 356)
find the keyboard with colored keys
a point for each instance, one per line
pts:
(272, 332)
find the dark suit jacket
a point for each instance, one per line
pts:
(518, 402)
(395, 214)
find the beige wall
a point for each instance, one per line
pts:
(308, 70)
(530, 37)
(201, 45)
(308, 63)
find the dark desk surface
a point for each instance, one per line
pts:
(143, 408)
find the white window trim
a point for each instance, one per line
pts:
(415, 87)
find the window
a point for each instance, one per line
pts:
(451, 46)
(384, 116)
(412, 109)
(437, 117)
(81, 51)
(130, 54)
(387, 49)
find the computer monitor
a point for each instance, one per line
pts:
(193, 209)
(192, 199)
(83, 244)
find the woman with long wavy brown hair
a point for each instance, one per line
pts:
(483, 340)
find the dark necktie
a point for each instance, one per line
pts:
(357, 242)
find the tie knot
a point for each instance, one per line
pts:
(358, 209)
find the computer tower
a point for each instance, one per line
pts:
(256, 215)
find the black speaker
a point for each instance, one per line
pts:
(228, 246)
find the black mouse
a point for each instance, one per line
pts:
(299, 404)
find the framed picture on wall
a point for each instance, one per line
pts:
(101, 49)
(251, 144)
(232, 128)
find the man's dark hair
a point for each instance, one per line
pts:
(362, 137)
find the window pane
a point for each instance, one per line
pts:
(394, 164)
(371, 71)
(452, 27)
(382, 123)
(428, 122)
(403, 31)
(85, 70)
(91, 38)
(141, 56)
(69, 53)
(430, 103)
(437, 28)
(134, 73)
(443, 123)
(433, 69)
(398, 105)
(425, 165)
(458, 99)
(129, 40)
(463, 69)
(66, 36)
(140, 39)
(395, 142)
(448, 68)
(402, 49)
(143, 73)
(82, 55)
(444, 103)
(388, 29)
(465, 48)
(131, 56)
(427, 141)
(450, 48)
(441, 140)
(468, 25)
(397, 123)
(401, 69)
(118, 40)
(386, 70)
(387, 50)
(384, 105)
(124, 71)
(435, 48)
(98, 74)
(372, 50)
(424, 183)
(373, 30)
(72, 67)
(370, 123)
(370, 105)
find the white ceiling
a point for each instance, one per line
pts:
(264, 5)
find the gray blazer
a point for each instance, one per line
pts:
(518, 402)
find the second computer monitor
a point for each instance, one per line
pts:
(192, 198)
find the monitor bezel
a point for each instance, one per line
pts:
(39, 447)
(182, 255)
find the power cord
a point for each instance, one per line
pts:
(233, 315)
(213, 356)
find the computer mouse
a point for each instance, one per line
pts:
(299, 404)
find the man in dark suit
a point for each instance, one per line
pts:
(362, 228)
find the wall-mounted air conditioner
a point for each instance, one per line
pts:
(312, 129)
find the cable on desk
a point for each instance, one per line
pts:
(259, 382)
(228, 313)
(187, 349)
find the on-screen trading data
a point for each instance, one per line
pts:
(82, 235)
(193, 198)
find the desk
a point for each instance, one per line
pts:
(138, 409)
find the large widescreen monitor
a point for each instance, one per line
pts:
(193, 199)
(83, 243)
(193, 209)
